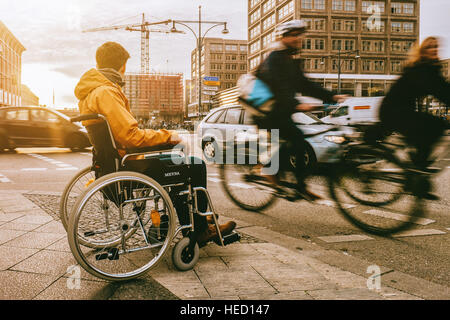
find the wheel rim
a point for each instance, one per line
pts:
(123, 236)
(209, 150)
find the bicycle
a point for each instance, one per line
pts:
(366, 179)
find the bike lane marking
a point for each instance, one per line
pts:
(61, 165)
(345, 238)
(419, 232)
(4, 179)
(398, 216)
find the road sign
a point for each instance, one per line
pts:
(211, 83)
(211, 78)
(210, 88)
(209, 93)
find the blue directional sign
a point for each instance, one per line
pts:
(211, 78)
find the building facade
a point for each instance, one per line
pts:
(155, 96)
(10, 68)
(356, 46)
(28, 97)
(224, 59)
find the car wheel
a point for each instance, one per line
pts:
(210, 150)
(4, 143)
(309, 158)
(76, 142)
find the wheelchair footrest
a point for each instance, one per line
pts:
(112, 254)
(228, 239)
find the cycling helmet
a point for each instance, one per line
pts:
(292, 25)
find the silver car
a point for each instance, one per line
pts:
(224, 126)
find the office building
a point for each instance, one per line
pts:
(357, 45)
(10, 68)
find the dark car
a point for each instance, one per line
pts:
(39, 127)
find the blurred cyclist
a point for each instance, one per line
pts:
(284, 76)
(422, 76)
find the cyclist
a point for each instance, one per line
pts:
(284, 76)
(100, 91)
(421, 76)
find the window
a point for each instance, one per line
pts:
(408, 27)
(396, 66)
(378, 65)
(396, 27)
(336, 44)
(349, 25)
(213, 118)
(402, 8)
(319, 44)
(230, 47)
(366, 65)
(268, 22)
(373, 26)
(216, 47)
(254, 3)
(337, 5)
(254, 62)
(350, 5)
(255, 16)
(408, 8)
(369, 6)
(268, 39)
(254, 47)
(268, 5)
(319, 4)
(337, 25)
(307, 4)
(349, 44)
(319, 24)
(285, 10)
(243, 48)
(396, 8)
(233, 116)
(255, 31)
(248, 119)
(307, 44)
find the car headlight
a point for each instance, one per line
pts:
(335, 139)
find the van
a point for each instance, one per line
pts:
(355, 111)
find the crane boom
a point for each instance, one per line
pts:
(145, 43)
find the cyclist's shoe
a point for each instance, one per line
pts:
(431, 196)
(308, 195)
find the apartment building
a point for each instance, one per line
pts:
(10, 68)
(157, 95)
(360, 44)
(224, 59)
(28, 97)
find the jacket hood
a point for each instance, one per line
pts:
(90, 81)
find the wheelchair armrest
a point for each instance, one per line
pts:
(84, 117)
(162, 147)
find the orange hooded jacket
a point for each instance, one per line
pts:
(97, 94)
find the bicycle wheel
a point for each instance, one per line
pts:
(243, 190)
(372, 177)
(375, 209)
(121, 226)
(73, 189)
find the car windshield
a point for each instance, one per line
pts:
(305, 118)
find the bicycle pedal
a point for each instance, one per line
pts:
(228, 239)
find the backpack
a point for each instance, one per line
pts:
(255, 95)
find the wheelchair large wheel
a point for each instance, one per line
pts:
(371, 194)
(243, 191)
(76, 186)
(121, 226)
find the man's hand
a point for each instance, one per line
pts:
(306, 107)
(339, 98)
(175, 138)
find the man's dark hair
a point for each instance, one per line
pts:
(111, 55)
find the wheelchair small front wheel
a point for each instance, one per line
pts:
(182, 259)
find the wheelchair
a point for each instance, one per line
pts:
(123, 223)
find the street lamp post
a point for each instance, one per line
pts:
(199, 39)
(339, 63)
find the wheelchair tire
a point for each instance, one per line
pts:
(73, 189)
(180, 257)
(113, 244)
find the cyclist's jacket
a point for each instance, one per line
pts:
(424, 78)
(286, 79)
(97, 94)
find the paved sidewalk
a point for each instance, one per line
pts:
(264, 265)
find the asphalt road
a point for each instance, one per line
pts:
(426, 256)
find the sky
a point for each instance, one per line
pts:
(58, 52)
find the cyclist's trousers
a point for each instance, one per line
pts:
(297, 146)
(422, 131)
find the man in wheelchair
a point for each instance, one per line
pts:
(100, 91)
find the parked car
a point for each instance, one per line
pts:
(39, 127)
(231, 124)
(355, 111)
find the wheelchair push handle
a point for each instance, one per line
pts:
(84, 117)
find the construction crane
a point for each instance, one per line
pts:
(145, 35)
